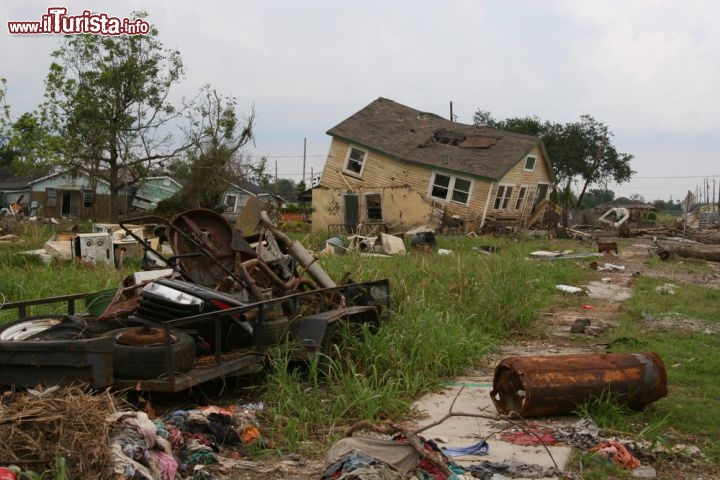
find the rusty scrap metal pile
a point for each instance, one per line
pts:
(220, 294)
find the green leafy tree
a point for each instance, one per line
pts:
(285, 187)
(107, 99)
(24, 140)
(597, 196)
(33, 145)
(579, 151)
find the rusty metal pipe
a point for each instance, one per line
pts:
(306, 260)
(536, 386)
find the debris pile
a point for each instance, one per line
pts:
(181, 444)
(73, 432)
(38, 427)
(226, 302)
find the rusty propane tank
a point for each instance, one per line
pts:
(536, 386)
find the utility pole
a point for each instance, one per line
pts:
(304, 157)
(452, 117)
(276, 180)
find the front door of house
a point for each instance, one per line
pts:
(70, 206)
(351, 209)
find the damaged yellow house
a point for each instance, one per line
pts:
(396, 167)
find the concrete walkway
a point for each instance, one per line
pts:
(472, 395)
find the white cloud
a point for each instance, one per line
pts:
(649, 69)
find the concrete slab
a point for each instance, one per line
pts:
(472, 395)
(610, 291)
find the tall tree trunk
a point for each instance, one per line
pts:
(114, 186)
(598, 155)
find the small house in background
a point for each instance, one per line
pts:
(75, 195)
(394, 167)
(152, 190)
(239, 193)
(15, 189)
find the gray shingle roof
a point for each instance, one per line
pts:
(626, 203)
(408, 134)
(9, 180)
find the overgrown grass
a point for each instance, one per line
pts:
(449, 311)
(26, 277)
(606, 411)
(683, 330)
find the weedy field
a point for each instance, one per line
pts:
(449, 313)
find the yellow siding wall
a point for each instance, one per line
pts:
(402, 208)
(516, 178)
(402, 186)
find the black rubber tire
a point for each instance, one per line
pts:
(274, 331)
(151, 361)
(329, 353)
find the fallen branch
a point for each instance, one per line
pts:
(417, 443)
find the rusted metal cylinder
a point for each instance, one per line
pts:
(535, 386)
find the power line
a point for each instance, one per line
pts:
(619, 107)
(676, 176)
(285, 156)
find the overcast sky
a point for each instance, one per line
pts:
(650, 70)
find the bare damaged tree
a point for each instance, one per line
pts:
(216, 135)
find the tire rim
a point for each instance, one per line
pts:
(24, 330)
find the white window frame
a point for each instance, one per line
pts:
(534, 162)
(522, 197)
(503, 197)
(348, 159)
(451, 188)
(231, 208)
(547, 192)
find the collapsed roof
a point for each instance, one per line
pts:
(425, 138)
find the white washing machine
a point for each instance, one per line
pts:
(94, 248)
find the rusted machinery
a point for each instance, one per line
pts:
(533, 386)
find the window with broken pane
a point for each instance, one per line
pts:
(440, 186)
(355, 160)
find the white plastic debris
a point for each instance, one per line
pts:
(610, 266)
(568, 289)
